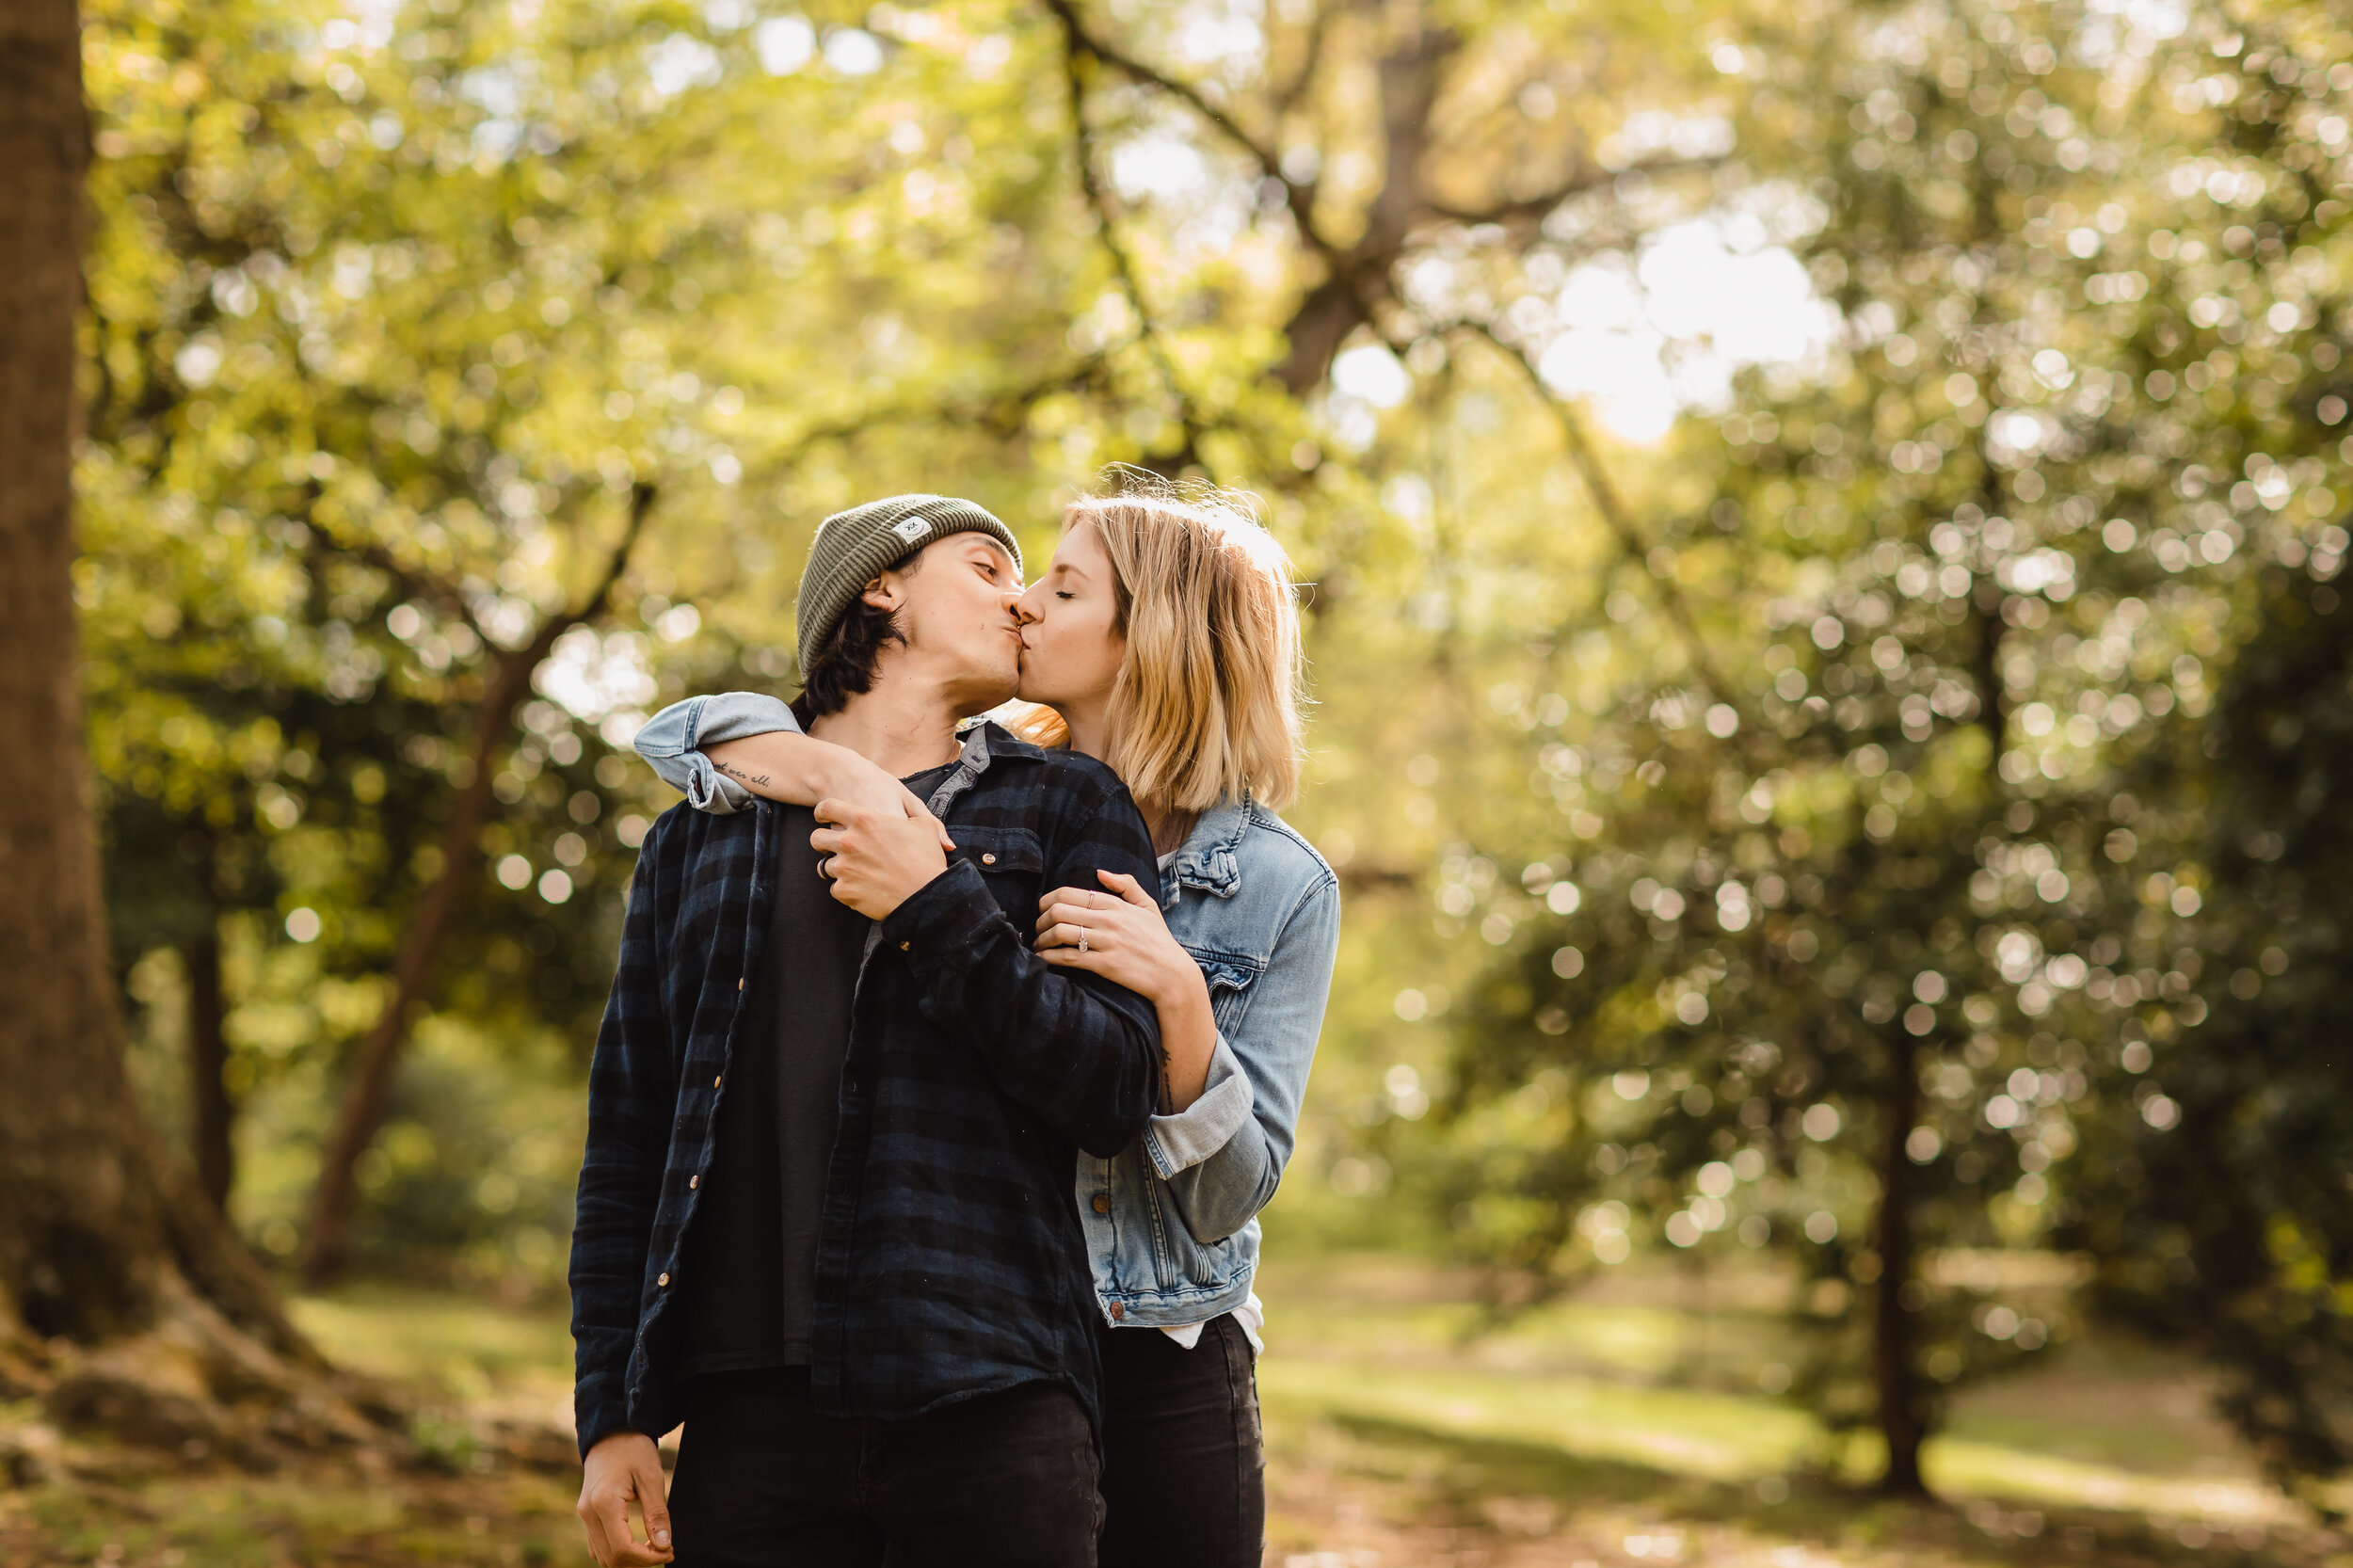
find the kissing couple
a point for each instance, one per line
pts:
(949, 1061)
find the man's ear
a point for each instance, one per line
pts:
(883, 593)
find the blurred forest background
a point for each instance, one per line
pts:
(1832, 713)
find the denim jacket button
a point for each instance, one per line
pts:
(1117, 1312)
(1103, 1203)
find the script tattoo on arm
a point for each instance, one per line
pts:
(742, 776)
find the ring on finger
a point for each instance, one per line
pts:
(1083, 939)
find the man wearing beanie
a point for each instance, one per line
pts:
(824, 1217)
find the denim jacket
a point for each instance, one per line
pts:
(1171, 1222)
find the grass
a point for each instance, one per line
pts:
(1403, 1429)
(1591, 1427)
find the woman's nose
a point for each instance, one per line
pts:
(1024, 612)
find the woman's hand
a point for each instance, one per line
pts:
(1127, 942)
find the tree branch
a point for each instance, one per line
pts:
(1615, 514)
(1081, 41)
(640, 499)
(1586, 179)
(1122, 264)
(999, 411)
(1301, 198)
(1287, 96)
(414, 581)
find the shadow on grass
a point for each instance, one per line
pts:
(1480, 1478)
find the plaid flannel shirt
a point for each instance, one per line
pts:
(949, 1259)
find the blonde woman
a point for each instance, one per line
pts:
(1163, 639)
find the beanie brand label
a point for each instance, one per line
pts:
(912, 529)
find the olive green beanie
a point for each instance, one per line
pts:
(854, 548)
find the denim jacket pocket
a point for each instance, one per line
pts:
(1230, 977)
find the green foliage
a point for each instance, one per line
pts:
(1865, 914)
(2218, 1210)
(1877, 785)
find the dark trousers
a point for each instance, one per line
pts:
(1184, 1477)
(1005, 1479)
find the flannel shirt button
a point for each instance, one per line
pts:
(1117, 1312)
(664, 1282)
(988, 859)
(739, 982)
(1103, 1203)
(904, 947)
(692, 1182)
(716, 1081)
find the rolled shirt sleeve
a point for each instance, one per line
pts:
(1182, 1140)
(1274, 1044)
(672, 742)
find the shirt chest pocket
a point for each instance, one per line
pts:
(1009, 861)
(1230, 977)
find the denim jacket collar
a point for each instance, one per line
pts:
(1206, 862)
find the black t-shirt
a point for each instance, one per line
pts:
(750, 1265)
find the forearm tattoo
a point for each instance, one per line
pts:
(742, 776)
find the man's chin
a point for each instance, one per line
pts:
(991, 689)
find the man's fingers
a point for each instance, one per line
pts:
(652, 1498)
(627, 1552)
(912, 803)
(598, 1548)
(612, 1522)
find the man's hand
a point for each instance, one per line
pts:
(876, 859)
(624, 1468)
(848, 777)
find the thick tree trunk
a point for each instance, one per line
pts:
(123, 1298)
(1894, 1360)
(212, 1117)
(69, 1248)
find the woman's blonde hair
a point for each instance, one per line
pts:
(1206, 704)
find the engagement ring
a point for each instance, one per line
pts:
(1083, 939)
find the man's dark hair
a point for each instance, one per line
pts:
(845, 666)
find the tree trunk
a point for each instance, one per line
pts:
(123, 1300)
(326, 1251)
(1894, 1362)
(369, 1092)
(212, 1116)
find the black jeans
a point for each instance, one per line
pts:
(1184, 1475)
(1004, 1480)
